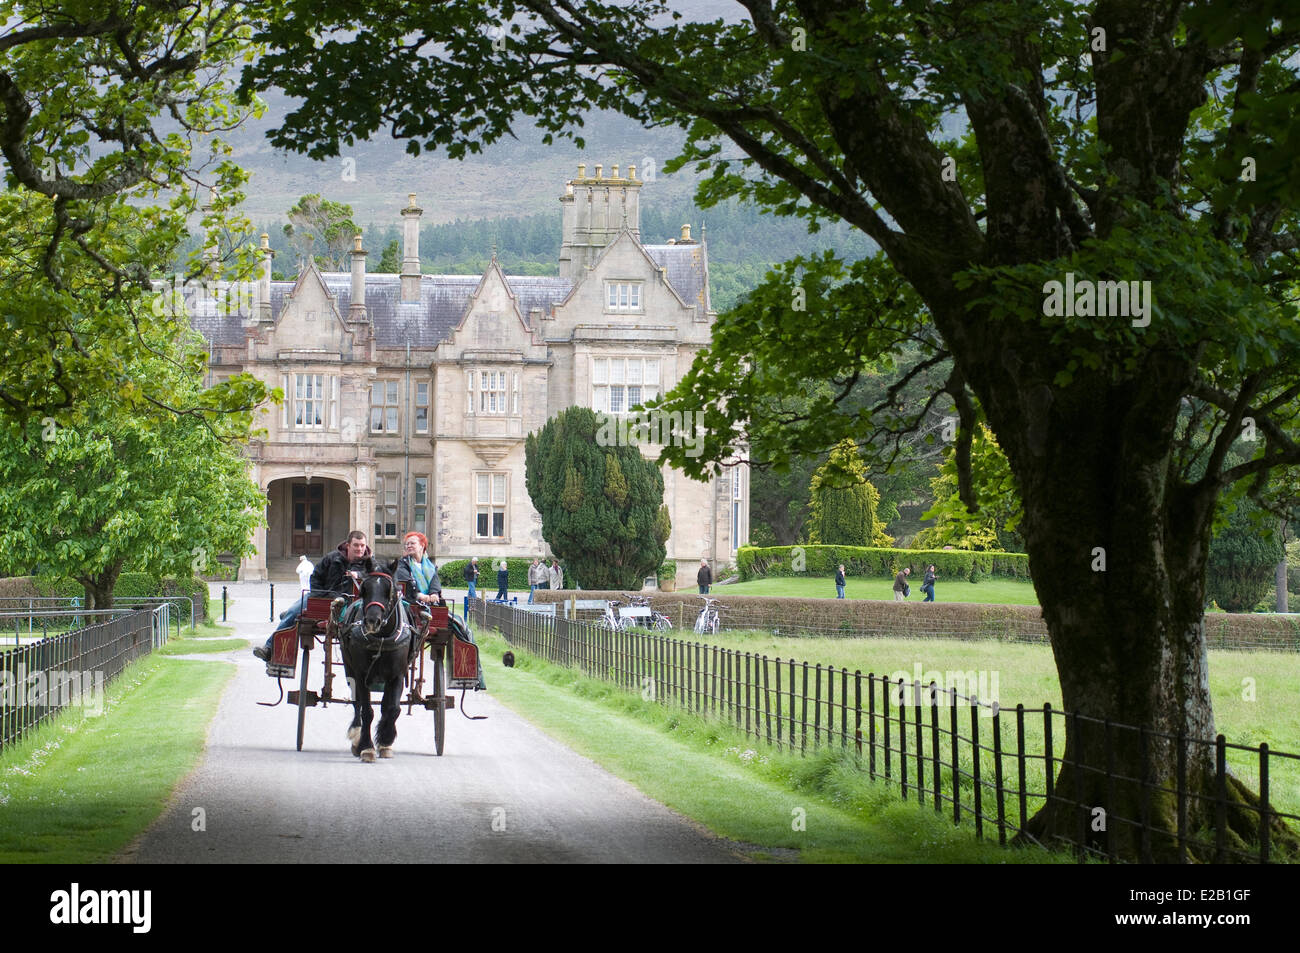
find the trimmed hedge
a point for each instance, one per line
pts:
(953, 564)
(851, 618)
(128, 584)
(452, 573)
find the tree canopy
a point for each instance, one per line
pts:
(844, 503)
(119, 491)
(1087, 221)
(602, 507)
(110, 122)
(324, 230)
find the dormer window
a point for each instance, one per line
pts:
(623, 296)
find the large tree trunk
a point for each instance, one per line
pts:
(99, 586)
(1117, 549)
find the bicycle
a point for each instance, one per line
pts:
(655, 621)
(611, 619)
(707, 620)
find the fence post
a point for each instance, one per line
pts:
(871, 725)
(857, 711)
(1263, 802)
(975, 753)
(902, 731)
(956, 761)
(997, 774)
(817, 708)
(223, 603)
(272, 601)
(1020, 763)
(934, 744)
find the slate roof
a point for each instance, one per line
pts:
(429, 321)
(685, 273)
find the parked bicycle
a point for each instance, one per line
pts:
(611, 619)
(707, 620)
(640, 610)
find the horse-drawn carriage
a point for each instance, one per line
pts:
(380, 638)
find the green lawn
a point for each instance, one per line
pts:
(1253, 692)
(81, 788)
(996, 589)
(777, 805)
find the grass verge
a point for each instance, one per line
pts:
(207, 637)
(80, 788)
(819, 808)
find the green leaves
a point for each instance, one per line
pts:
(601, 504)
(113, 118)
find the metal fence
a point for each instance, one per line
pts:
(987, 765)
(70, 670)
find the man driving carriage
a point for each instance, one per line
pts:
(331, 577)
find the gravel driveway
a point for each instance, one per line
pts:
(502, 792)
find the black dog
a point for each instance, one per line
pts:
(508, 660)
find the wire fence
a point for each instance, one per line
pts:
(72, 669)
(948, 748)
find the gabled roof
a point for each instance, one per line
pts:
(687, 266)
(425, 323)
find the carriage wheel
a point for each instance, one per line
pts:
(302, 697)
(440, 709)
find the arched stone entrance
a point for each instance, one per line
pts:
(305, 516)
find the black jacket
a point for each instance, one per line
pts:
(503, 578)
(471, 572)
(331, 573)
(704, 577)
(839, 578)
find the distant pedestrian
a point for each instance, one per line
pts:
(928, 585)
(557, 574)
(536, 578)
(704, 577)
(304, 570)
(503, 581)
(901, 589)
(839, 583)
(471, 577)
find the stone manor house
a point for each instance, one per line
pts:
(408, 396)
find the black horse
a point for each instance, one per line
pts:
(377, 643)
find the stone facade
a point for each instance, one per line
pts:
(408, 397)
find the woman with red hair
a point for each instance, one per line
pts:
(416, 569)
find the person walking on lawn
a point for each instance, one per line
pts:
(839, 582)
(471, 576)
(900, 584)
(704, 577)
(928, 585)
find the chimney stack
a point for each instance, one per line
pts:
(357, 310)
(411, 251)
(686, 235)
(264, 282)
(594, 211)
